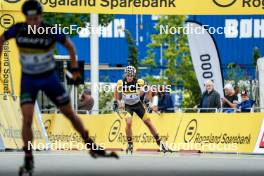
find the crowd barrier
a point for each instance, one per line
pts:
(11, 123)
(212, 132)
(204, 132)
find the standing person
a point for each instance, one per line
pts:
(129, 90)
(210, 98)
(38, 74)
(230, 100)
(86, 101)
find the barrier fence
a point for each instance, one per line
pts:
(172, 110)
(205, 132)
(214, 132)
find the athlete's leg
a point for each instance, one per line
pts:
(58, 95)
(141, 112)
(129, 129)
(27, 134)
(129, 132)
(75, 120)
(151, 127)
(28, 96)
(152, 130)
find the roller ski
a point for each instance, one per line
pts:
(164, 148)
(101, 153)
(28, 167)
(97, 151)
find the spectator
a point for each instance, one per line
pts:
(165, 103)
(237, 93)
(246, 104)
(210, 98)
(86, 101)
(230, 100)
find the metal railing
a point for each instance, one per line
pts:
(172, 110)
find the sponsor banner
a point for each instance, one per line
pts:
(231, 133)
(235, 133)
(10, 73)
(205, 57)
(259, 148)
(173, 7)
(11, 123)
(109, 131)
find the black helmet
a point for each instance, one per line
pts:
(31, 8)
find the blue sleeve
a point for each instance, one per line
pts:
(61, 38)
(245, 105)
(10, 33)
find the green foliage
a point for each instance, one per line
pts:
(105, 102)
(179, 69)
(149, 60)
(132, 50)
(236, 73)
(80, 20)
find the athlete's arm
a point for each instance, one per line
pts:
(117, 94)
(72, 52)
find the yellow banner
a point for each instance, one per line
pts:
(109, 131)
(162, 7)
(10, 73)
(204, 132)
(219, 132)
(11, 123)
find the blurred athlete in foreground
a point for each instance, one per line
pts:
(129, 90)
(38, 73)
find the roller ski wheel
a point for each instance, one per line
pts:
(27, 168)
(164, 148)
(129, 149)
(23, 171)
(103, 154)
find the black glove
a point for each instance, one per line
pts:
(76, 79)
(115, 105)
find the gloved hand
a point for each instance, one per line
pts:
(76, 76)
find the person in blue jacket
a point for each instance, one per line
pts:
(246, 104)
(165, 103)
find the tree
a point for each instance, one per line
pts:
(132, 50)
(179, 69)
(80, 20)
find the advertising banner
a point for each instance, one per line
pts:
(11, 124)
(162, 7)
(109, 131)
(228, 133)
(10, 72)
(205, 57)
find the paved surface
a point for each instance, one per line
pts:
(79, 163)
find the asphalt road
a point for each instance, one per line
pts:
(79, 163)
